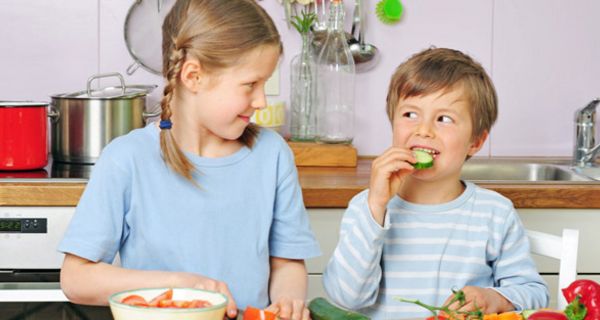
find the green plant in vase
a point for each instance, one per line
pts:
(303, 85)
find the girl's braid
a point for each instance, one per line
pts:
(171, 153)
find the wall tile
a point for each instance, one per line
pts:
(114, 56)
(546, 65)
(542, 55)
(48, 47)
(463, 24)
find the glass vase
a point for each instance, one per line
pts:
(336, 73)
(303, 93)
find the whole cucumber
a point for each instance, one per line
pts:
(321, 309)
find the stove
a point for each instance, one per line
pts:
(29, 235)
(29, 262)
(54, 171)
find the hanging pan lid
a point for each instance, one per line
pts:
(143, 34)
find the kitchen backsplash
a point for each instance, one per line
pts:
(543, 55)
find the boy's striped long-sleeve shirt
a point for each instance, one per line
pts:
(424, 251)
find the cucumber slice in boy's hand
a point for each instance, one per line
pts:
(424, 160)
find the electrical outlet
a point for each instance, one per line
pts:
(272, 85)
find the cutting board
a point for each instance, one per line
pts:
(309, 154)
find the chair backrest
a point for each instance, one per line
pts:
(563, 248)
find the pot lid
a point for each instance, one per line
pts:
(143, 34)
(109, 93)
(120, 92)
(16, 104)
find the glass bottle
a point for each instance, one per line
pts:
(336, 73)
(303, 93)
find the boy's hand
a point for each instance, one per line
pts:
(487, 300)
(292, 309)
(387, 172)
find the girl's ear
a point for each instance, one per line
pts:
(477, 143)
(191, 75)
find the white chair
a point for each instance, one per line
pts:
(562, 248)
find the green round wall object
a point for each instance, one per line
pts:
(389, 11)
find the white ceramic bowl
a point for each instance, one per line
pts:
(122, 311)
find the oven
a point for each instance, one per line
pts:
(30, 266)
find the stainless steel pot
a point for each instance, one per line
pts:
(84, 122)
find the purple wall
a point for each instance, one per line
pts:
(543, 55)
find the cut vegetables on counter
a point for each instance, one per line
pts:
(589, 293)
(252, 313)
(321, 309)
(545, 314)
(574, 311)
(583, 297)
(458, 296)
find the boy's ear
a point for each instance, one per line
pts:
(477, 143)
(191, 75)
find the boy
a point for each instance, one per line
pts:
(418, 234)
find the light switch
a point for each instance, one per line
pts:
(272, 85)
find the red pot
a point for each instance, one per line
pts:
(23, 135)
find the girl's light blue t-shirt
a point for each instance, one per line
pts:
(249, 207)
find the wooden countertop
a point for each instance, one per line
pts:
(334, 187)
(325, 188)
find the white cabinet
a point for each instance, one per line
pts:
(554, 220)
(326, 225)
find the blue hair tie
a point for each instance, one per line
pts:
(165, 124)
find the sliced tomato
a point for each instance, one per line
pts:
(439, 317)
(167, 295)
(199, 304)
(135, 300)
(181, 304)
(258, 314)
(165, 300)
(166, 303)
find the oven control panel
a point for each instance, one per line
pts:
(23, 225)
(29, 237)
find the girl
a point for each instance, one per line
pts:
(203, 199)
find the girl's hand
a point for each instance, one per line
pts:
(293, 309)
(387, 172)
(486, 299)
(191, 280)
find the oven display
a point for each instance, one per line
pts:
(12, 225)
(23, 225)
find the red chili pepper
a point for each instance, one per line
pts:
(589, 291)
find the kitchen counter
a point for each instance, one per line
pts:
(322, 187)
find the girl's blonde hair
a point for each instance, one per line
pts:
(218, 33)
(437, 69)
